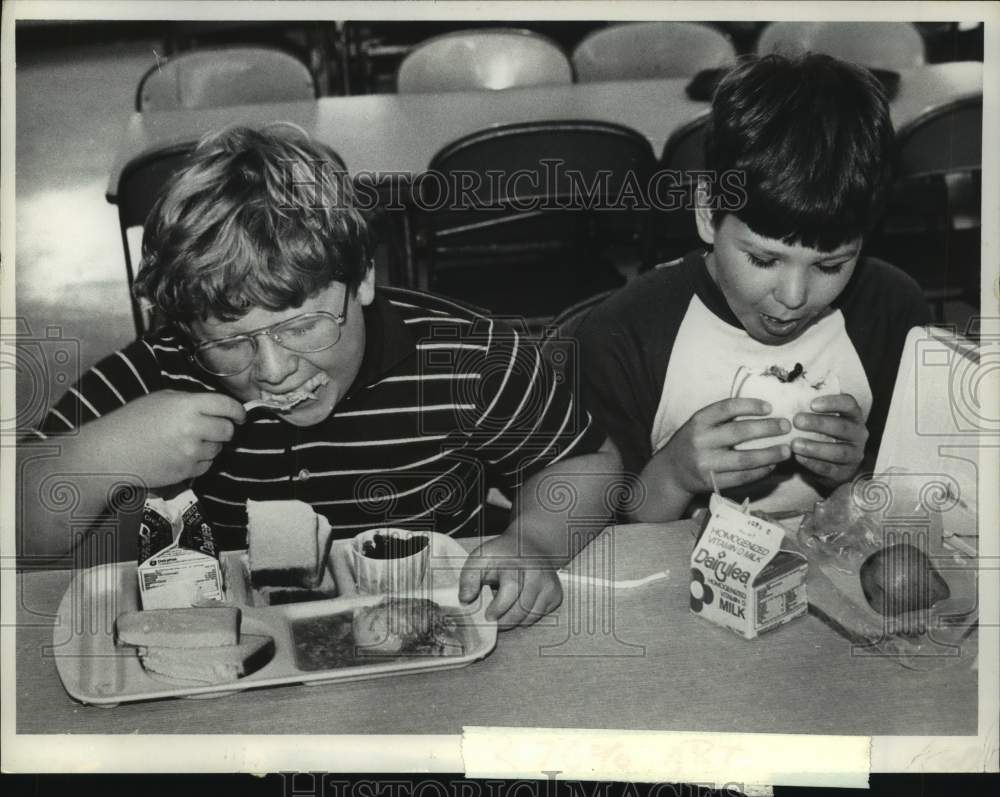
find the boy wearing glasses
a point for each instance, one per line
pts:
(781, 290)
(282, 373)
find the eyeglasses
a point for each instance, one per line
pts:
(304, 334)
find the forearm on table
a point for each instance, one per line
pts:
(561, 508)
(62, 482)
(663, 499)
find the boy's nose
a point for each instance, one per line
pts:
(273, 363)
(792, 291)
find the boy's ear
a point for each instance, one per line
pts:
(703, 213)
(366, 288)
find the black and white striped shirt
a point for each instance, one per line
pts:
(447, 403)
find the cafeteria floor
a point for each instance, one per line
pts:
(72, 103)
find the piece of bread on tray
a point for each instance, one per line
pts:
(210, 626)
(210, 665)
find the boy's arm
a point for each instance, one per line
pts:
(556, 513)
(664, 498)
(562, 507)
(49, 472)
(160, 439)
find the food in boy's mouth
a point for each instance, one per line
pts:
(288, 545)
(900, 578)
(286, 402)
(389, 546)
(789, 391)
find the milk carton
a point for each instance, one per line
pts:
(178, 561)
(740, 576)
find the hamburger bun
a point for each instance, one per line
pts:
(789, 392)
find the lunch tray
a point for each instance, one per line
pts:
(94, 670)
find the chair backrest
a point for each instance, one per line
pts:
(684, 152)
(877, 45)
(533, 190)
(583, 147)
(685, 148)
(558, 341)
(545, 168)
(565, 325)
(945, 139)
(139, 186)
(224, 76)
(499, 58)
(638, 50)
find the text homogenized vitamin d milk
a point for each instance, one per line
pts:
(740, 577)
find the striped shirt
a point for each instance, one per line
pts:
(447, 403)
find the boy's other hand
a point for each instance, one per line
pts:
(171, 436)
(837, 461)
(703, 446)
(526, 586)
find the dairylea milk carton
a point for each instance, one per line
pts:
(740, 576)
(178, 560)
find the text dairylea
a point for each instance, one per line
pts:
(722, 569)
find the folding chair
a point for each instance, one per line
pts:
(139, 186)
(467, 60)
(226, 76)
(539, 201)
(558, 340)
(932, 227)
(638, 50)
(876, 45)
(675, 230)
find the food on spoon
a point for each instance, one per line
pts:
(214, 626)
(286, 402)
(288, 544)
(406, 625)
(900, 578)
(788, 391)
(209, 665)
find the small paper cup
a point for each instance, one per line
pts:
(385, 576)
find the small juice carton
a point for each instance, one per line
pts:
(178, 561)
(740, 576)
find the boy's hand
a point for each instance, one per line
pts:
(525, 581)
(170, 436)
(836, 462)
(704, 445)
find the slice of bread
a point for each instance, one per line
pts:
(210, 665)
(180, 628)
(284, 542)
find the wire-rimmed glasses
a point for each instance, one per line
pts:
(304, 334)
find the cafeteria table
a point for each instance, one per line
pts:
(398, 134)
(627, 658)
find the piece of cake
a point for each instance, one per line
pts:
(286, 548)
(209, 626)
(210, 665)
